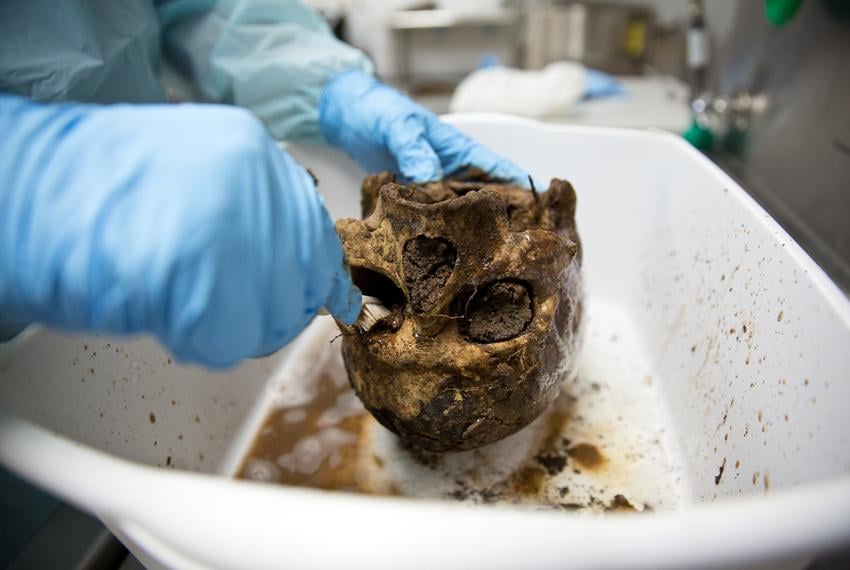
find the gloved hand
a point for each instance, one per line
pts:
(187, 222)
(382, 129)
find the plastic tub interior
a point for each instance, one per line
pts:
(746, 340)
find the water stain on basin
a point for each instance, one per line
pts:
(585, 453)
(528, 481)
(314, 445)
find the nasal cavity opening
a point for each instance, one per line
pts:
(378, 285)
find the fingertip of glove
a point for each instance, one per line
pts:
(514, 174)
(420, 175)
(526, 181)
(419, 163)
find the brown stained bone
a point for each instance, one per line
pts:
(427, 264)
(499, 311)
(483, 280)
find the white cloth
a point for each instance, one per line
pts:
(551, 91)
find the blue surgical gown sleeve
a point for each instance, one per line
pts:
(272, 57)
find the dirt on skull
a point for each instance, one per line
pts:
(428, 263)
(484, 281)
(500, 312)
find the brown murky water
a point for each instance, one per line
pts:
(314, 445)
(582, 454)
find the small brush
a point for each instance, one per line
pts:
(372, 311)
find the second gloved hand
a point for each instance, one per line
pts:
(187, 222)
(384, 130)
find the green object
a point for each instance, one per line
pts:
(701, 137)
(780, 12)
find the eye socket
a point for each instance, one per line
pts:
(428, 263)
(498, 311)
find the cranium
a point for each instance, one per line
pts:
(484, 286)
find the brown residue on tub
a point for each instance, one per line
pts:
(558, 418)
(542, 477)
(551, 462)
(722, 421)
(780, 316)
(755, 478)
(766, 480)
(334, 468)
(528, 481)
(152, 418)
(587, 455)
(620, 504)
(719, 475)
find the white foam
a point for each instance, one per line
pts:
(261, 470)
(311, 451)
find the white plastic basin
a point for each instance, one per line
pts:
(747, 342)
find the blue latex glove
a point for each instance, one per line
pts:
(599, 84)
(383, 130)
(184, 221)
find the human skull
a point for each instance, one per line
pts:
(483, 283)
